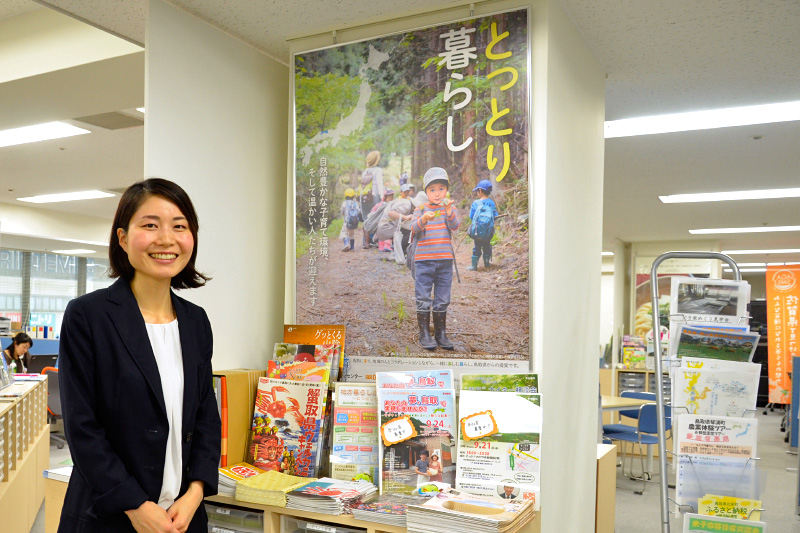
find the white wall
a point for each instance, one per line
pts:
(216, 124)
(568, 113)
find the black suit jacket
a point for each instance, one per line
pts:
(114, 414)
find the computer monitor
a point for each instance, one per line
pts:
(40, 362)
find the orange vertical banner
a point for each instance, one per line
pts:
(783, 295)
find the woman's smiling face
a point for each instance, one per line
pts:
(158, 241)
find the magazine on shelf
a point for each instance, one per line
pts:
(417, 430)
(388, 508)
(229, 475)
(716, 301)
(330, 496)
(713, 343)
(355, 432)
(316, 334)
(499, 450)
(305, 362)
(287, 425)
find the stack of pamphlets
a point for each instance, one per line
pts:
(287, 424)
(269, 488)
(452, 510)
(229, 475)
(330, 496)
(417, 429)
(388, 509)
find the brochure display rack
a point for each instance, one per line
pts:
(694, 455)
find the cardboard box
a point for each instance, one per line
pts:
(241, 387)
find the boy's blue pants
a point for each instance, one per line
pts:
(482, 246)
(436, 275)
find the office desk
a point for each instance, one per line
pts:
(618, 403)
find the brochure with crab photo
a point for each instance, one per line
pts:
(417, 431)
(305, 362)
(287, 424)
(499, 444)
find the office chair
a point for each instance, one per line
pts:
(53, 404)
(629, 413)
(646, 433)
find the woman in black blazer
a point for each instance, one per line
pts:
(135, 374)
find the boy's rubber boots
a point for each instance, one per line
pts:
(486, 260)
(474, 265)
(440, 330)
(425, 339)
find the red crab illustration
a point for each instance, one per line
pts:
(267, 402)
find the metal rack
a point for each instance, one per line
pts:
(662, 441)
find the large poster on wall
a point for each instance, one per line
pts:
(783, 300)
(377, 121)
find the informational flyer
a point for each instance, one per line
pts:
(373, 116)
(418, 431)
(728, 390)
(354, 447)
(499, 451)
(694, 523)
(720, 436)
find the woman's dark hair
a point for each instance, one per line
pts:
(132, 199)
(19, 338)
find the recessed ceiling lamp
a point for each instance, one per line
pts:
(65, 197)
(39, 132)
(757, 252)
(73, 252)
(703, 120)
(763, 194)
(606, 253)
(748, 270)
(757, 229)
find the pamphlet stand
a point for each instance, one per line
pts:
(662, 451)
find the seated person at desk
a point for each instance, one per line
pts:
(17, 352)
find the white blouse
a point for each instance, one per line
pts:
(166, 342)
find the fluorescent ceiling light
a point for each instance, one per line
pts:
(763, 194)
(606, 253)
(65, 197)
(756, 252)
(703, 120)
(140, 109)
(764, 269)
(73, 252)
(39, 132)
(757, 229)
(756, 264)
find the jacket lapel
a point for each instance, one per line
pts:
(130, 325)
(190, 352)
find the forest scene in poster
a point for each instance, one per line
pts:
(375, 115)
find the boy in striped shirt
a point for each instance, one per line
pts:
(432, 225)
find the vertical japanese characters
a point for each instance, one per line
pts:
(317, 224)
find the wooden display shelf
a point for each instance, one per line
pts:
(272, 518)
(25, 453)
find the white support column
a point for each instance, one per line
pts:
(216, 124)
(568, 114)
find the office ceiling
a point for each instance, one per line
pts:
(660, 57)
